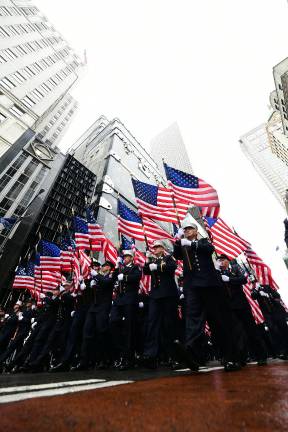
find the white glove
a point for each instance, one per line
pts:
(181, 297)
(141, 305)
(32, 320)
(120, 277)
(217, 265)
(6, 315)
(72, 314)
(82, 286)
(20, 316)
(153, 267)
(93, 283)
(34, 324)
(119, 260)
(263, 294)
(42, 296)
(93, 272)
(61, 289)
(80, 278)
(33, 307)
(74, 294)
(148, 254)
(185, 242)
(180, 233)
(225, 278)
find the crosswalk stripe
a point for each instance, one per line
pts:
(58, 391)
(19, 389)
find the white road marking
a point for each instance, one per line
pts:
(58, 391)
(19, 389)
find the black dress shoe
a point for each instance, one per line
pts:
(125, 365)
(60, 367)
(232, 366)
(185, 355)
(79, 367)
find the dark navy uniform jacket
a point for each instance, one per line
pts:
(198, 266)
(127, 290)
(163, 279)
(103, 289)
(234, 287)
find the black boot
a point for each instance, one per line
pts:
(60, 367)
(232, 366)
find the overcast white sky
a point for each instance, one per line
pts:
(205, 64)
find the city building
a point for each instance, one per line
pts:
(257, 148)
(279, 97)
(169, 144)
(38, 69)
(277, 140)
(72, 190)
(111, 152)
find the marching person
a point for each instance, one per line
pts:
(83, 299)
(205, 299)
(275, 318)
(20, 334)
(234, 278)
(125, 308)
(96, 325)
(162, 309)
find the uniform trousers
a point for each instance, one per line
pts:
(162, 317)
(210, 302)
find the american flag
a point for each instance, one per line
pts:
(126, 244)
(190, 189)
(223, 238)
(145, 282)
(154, 201)
(129, 222)
(49, 256)
(95, 232)
(68, 246)
(82, 236)
(262, 271)
(109, 251)
(20, 280)
(6, 223)
(46, 280)
(153, 231)
(85, 264)
(256, 311)
(76, 272)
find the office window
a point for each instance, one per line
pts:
(28, 101)
(8, 84)
(2, 117)
(18, 76)
(21, 50)
(17, 111)
(4, 32)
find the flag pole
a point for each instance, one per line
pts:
(179, 223)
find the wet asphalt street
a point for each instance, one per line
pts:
(253, 399)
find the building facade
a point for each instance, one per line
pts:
(279, 97)
(256, 147)
(38, 69)
(111, 152)
(72, 190)
(169, 144)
